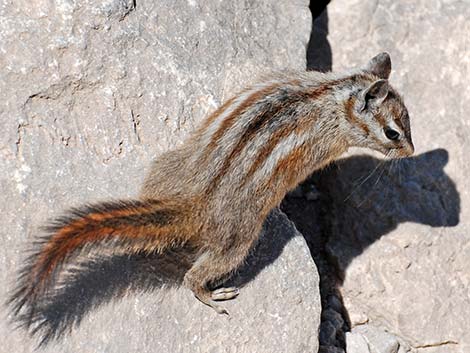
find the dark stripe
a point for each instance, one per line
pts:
(297, 126)
(230, 120)
(267, 149)
(351, 116)
(155, 218)
(285, 103)
(381, 119)
(252, 129)
(398, 114)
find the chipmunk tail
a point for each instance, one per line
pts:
(137, 226)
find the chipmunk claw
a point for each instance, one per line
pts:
(220, 310)
(206, 299)
(225, 293)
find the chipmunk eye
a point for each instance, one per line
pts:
(391, 134)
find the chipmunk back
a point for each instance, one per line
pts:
(215, 190)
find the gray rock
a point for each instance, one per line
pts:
(356, 343)
(120, 306)
(401, 237)
(371, 339)
(378, 340)
(91, 92)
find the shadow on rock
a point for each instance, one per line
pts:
(348, 206)
(367, 198)
(319, 55)
(95, 282)
(92, 283)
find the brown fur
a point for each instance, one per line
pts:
(214, 192)
(228, 122)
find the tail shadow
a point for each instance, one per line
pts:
(93, 281)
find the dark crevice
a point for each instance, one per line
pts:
(311, 219)
(309, 214)
(319, 55)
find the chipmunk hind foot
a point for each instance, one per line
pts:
(225, 293)
(210, 298)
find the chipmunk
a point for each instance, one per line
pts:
(215, 190)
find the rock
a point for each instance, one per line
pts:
(356, 343)
(371, 339)
(378, 340)
(335, 304)
(260, 320)
(91, 92)
(297, 192)
(401, 236)
(329, 349)
(120, 305)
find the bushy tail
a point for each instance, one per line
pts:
(138, 226)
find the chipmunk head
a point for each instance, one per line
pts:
(377, 113)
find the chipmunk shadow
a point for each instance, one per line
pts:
(367, 198)
(363, 198)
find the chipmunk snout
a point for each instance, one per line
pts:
(410, 149)
(405, 150)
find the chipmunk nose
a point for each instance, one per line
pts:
(409, 148)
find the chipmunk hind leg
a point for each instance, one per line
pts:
(214, 267)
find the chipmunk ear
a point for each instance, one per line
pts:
(380, 66)
(374, 94)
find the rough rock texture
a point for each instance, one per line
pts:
(371, 339)
(278, 309)
(401, 237)
(90, 92)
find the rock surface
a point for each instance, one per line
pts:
(119, 306)
(91, 92)
(401, 237)
(371, 339)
